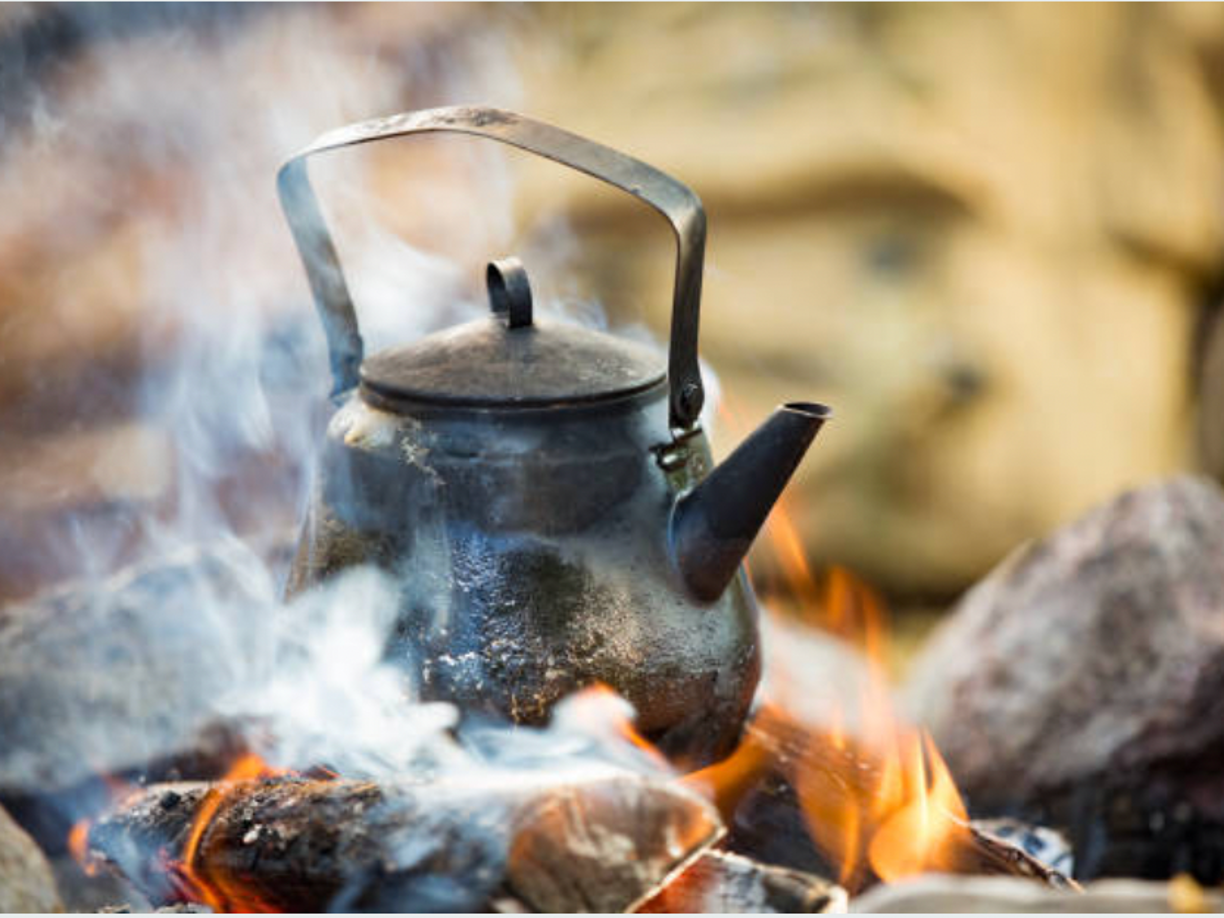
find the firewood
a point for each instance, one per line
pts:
(586, 843)
(719, 882)
(993, 856)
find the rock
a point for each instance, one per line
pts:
(935, 893)
(101, 677)
(1081, 684)
(719, 882)
(119, 678)
(26, 881)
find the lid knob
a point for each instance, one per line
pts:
(509, 291)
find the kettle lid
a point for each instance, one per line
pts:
(511, 359)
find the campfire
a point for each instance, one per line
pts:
(647, 814)
(862, 806)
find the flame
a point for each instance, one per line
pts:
(878, 799)
(921, 833)
(78, 846)
(117, 791)
(194, 876)
(727, 782)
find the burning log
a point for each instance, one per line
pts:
(597, 843)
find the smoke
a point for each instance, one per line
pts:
(137, 165)
(153, 145)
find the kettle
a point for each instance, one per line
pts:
(543, 493)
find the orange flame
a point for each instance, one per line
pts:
(922, 832)
(78, 836)
(195, 877)
(78, 846)
(877, 798)
(727, 782)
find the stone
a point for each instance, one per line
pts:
(720, 883)
(100, 678)
(26, 881)
(1081, 684)
(935, 893)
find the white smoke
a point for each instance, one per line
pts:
(174, 135)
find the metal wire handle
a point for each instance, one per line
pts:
(673, 200)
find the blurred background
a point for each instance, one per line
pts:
(990, 236)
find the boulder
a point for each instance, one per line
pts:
(103, 682)
(26, 881)
(1082, 683)
(935, 893)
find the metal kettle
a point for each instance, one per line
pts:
(544, 493)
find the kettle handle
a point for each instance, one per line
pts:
(673, 200)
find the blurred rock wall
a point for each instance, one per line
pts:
(987, 235)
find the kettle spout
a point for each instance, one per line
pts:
(713, 525)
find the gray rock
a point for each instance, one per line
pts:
(26, 881)
(102, 677)
(975, 895)
(722, 883)
(1082, 683)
